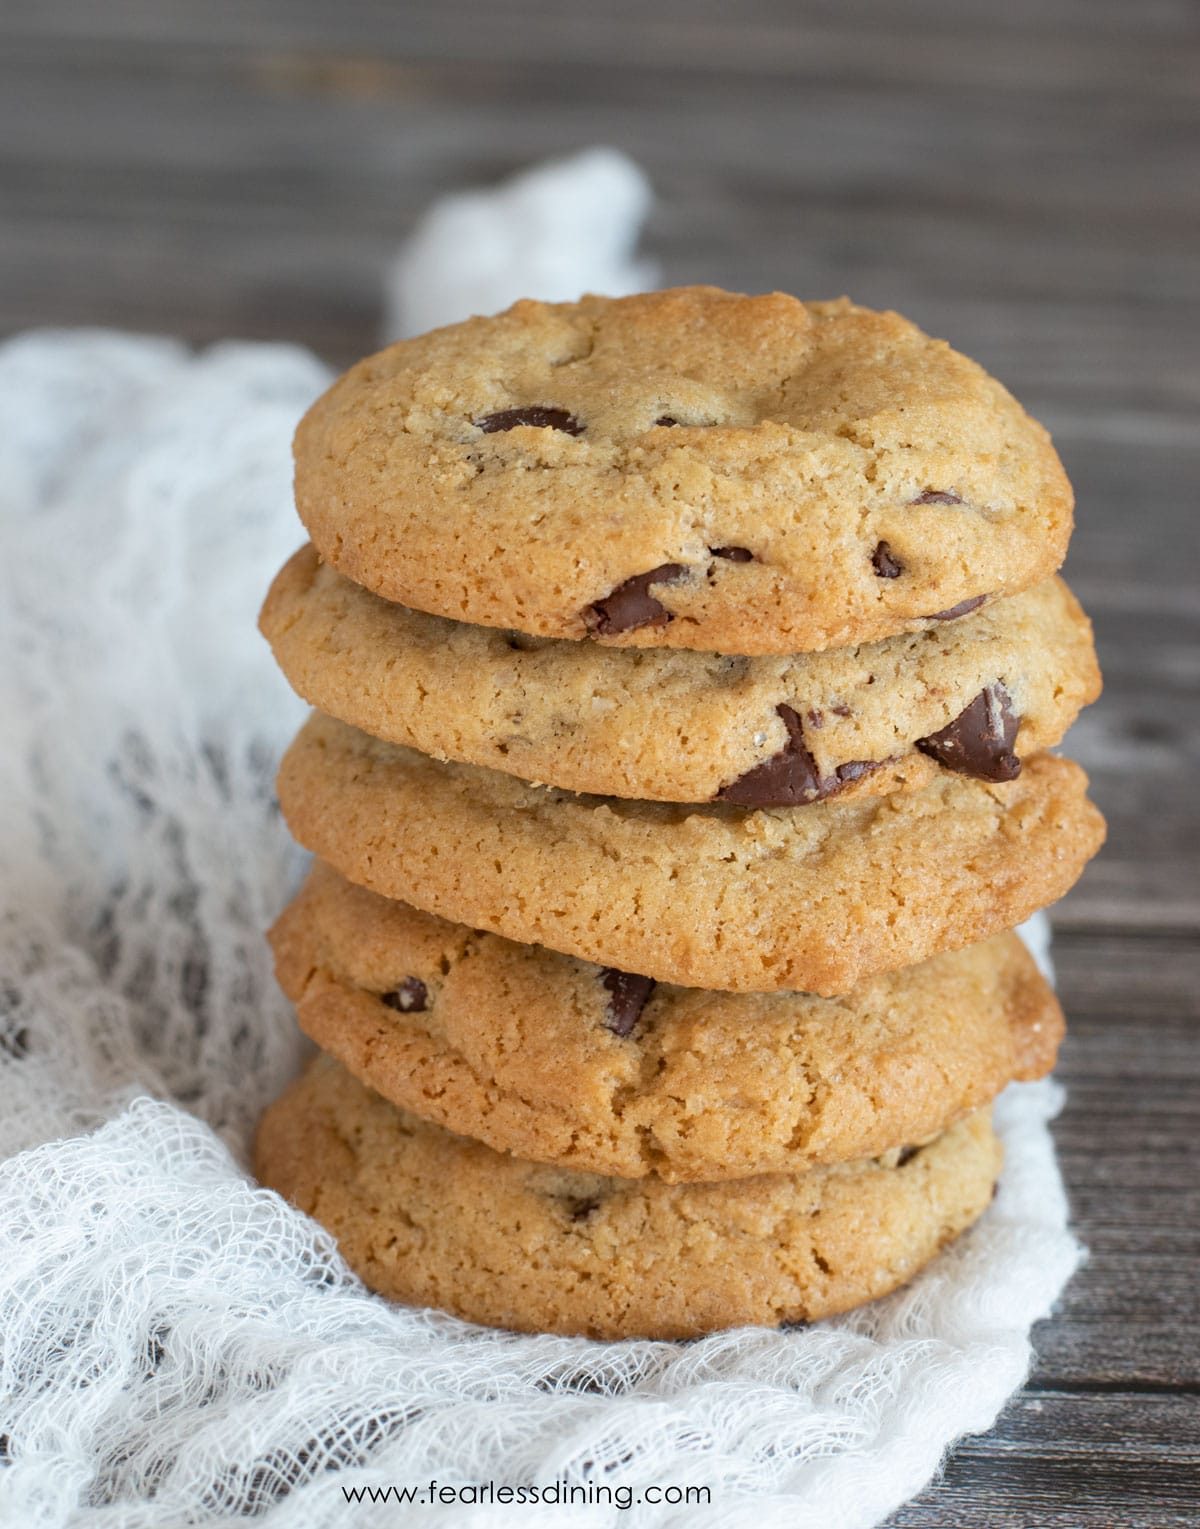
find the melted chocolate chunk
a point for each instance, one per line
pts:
(631, 605)
(538, 415)
(854, 769)
(885, 565)
(980, 740)
(936, 496)
(790, 778)
(410, 997)
(628, 995)
(963, 608)
(733, 554)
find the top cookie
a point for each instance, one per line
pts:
(689, 468)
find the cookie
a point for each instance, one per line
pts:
(560, 1061)
(434, 1219)
(677, 726)
(682, 469)
(810, 898)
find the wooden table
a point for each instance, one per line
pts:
(1020, 177)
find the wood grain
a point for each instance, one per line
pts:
(1021, 178)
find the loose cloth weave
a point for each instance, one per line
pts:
(177, 1346)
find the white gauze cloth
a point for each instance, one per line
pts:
(177, 1346)
(564, 228)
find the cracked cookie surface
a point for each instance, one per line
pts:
(670, 725)
(558, 1060)
(688, 469)
(810, 899)
(434, 1219)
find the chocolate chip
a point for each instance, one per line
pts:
(936, 496)
(885, 565)
(906, 1155)
(788, 778)
(666, 421)
(791, 778)
(631, 605)
(410, 997)
(963, 608)
(854, 769)
(980, 740)
(815, 718)
(844, 711)
(733, 554)
(538, 415)
(628, 995)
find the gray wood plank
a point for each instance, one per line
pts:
(1085, 1460)
(1128, 1146)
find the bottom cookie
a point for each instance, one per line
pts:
(434, 1219)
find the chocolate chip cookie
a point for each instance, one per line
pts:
(556, 1060)
(812, 898)
(683, 469)
(689, 727)
(435, 1219)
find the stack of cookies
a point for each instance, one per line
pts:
(686, 667)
